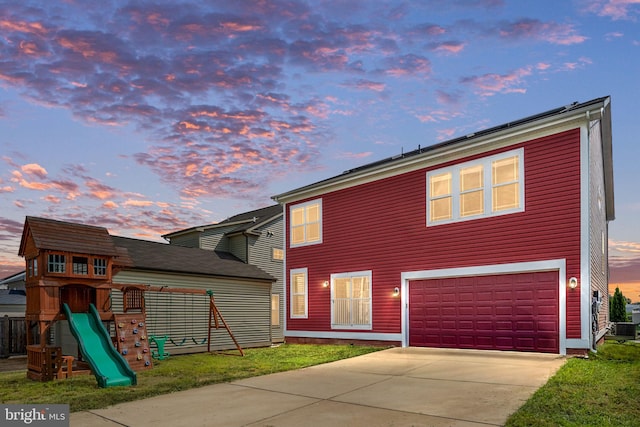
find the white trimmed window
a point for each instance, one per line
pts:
(306, 223)
(481, 188)
(299, 295)
(275, 310)
(277, 254)
(351, 300)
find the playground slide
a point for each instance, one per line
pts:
(108, 366)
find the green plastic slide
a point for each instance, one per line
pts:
(108, 366)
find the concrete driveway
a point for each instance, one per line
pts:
(394, 387)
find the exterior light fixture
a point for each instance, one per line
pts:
(396, 291)
(325, 284)
(573, 283)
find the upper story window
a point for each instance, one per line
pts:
(99, 267)
(481, 188)
(56, 263)
(306, 223)
(80, 265)
(277, 254)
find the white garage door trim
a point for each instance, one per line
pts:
(558, 265)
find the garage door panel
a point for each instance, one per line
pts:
(505, 312)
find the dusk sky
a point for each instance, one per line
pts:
(147, 117)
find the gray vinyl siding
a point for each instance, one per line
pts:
(260, 255)
(189, 240)
(214, 239)
(598, 235)
(244, 305)
(238, 246)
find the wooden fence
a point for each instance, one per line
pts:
(13, 336)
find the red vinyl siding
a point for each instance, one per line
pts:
(381, 226)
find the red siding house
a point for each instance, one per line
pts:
(496, 240)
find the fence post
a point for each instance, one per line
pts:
(5, 337)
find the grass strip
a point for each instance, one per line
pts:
(599, 391)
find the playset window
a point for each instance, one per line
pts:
(56, 263)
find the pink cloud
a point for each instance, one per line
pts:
(351, 156)
(6, 189)
(551, 32)
(615, 9)
(51, 199)
(34, 169)
(138, 203)
(492, 83)
(448, 47)
(363, 84)
(109, 204)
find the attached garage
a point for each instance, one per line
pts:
(518, 311)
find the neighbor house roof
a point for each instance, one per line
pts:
(49, 234)
(12, 297)
(147, 255)
(245, 222)
(598, 108)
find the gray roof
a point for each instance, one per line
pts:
(147, 255)
(244, 222)
(7, 297)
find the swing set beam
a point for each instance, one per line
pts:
(215, 317)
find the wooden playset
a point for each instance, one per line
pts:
(69, 270)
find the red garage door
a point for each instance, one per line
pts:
(502, 312)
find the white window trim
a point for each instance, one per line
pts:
(486, 163)
(306, 293)
(301, 205)
(369, 326)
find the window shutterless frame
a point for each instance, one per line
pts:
(298, 290)
(486, 187)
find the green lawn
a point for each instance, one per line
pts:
(173, 374)
(603, 390)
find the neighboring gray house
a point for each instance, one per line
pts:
(13, 298)
(255, 237)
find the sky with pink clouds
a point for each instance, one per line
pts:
(147, 117)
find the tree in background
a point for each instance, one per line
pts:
(618, 307)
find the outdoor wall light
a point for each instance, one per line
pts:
(325, 284)
(573, 283)
(396, 291)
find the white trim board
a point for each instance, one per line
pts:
(559, 265)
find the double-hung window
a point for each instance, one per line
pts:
(351, 300)
(306, 223)
(490, 186)
(299, 292)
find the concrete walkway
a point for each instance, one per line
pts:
(394, 387)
